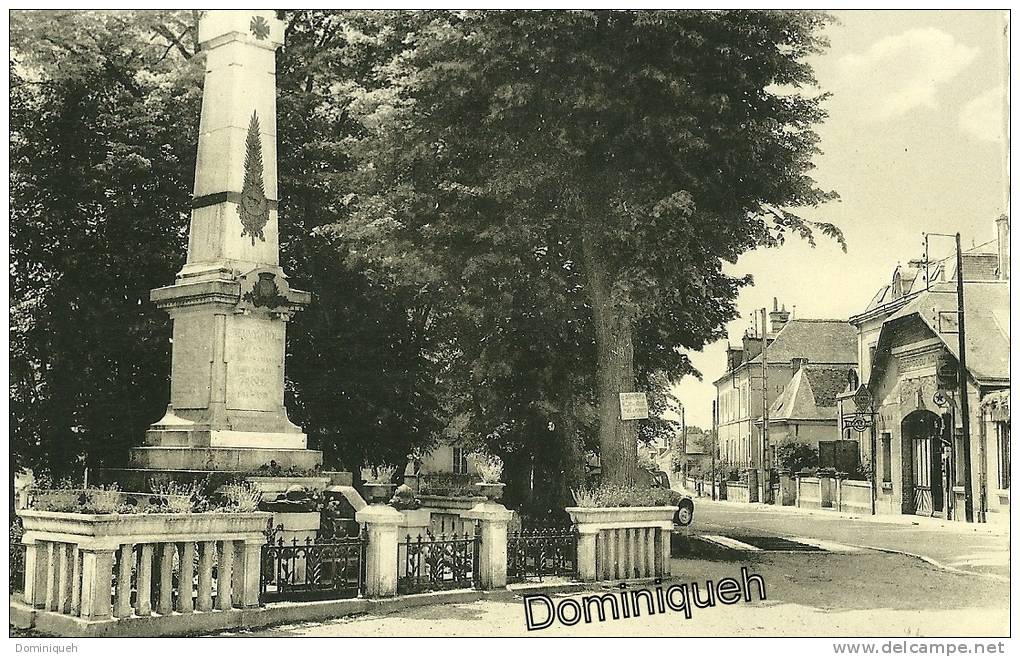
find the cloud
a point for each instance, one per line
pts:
(900, 73)
(984, 117)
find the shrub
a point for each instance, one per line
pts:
(796, 457)
(447, 483)
(614, 495)
(490, 468)
(378, 474)
(243, 497)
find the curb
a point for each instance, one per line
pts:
(936, 564)
(877, 519)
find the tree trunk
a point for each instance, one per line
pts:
(614, 347)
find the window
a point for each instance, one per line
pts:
(460, 462)
(1002, 440)
(886, 457)
(872, 350)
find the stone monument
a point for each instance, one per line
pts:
(231, 301)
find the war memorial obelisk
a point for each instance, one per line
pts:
(231, 302)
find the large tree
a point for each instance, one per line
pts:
(620, 157)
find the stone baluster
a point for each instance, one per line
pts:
(205, 561)
(122, 601)
(650, 552)
(68, 552)
(381, 523)
(165, 602)
(53, 558)
(492, 518)
(144, 585)
(76, 583)
(184, 600)
(224, 575)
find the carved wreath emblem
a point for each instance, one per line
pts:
(259, 27)
(254, 206)
(265, 293)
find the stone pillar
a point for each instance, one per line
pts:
(381, 523)
(587, 537)
(37, 569)
(752, 485)
(493, 518)
(97, 575)
(247, 564)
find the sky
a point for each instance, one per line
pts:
(915, 142)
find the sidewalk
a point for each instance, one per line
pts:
(993, 529)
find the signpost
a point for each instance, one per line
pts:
(633, 406)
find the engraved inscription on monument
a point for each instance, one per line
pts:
(191, 362)
(255, 352)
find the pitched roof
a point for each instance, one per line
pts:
(986, 304)
(810, 395)
(817, 340)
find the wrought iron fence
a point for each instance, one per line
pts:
(435, 563)
(532, 554)
(17, 556)
(310, 570)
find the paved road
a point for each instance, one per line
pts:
(970, 551)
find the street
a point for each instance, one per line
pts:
(819, 581)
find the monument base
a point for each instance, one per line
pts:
(218, 459)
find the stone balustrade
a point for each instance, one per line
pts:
(622, 542)
(100, 567)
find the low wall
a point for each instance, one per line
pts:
(809, 493)
(854, 496)
(86, 568)
(736, 491)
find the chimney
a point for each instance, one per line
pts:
(1002, 229)
(798, 363)
(778, 318)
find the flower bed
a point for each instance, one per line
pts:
(613, 495)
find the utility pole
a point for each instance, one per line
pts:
(765, 479)
(683, 427)
(715, 441)
(968, 494)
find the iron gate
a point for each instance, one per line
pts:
(313, 570)
(532, 554)
(436, 563)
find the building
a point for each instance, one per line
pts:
(908, 341)
(806, 413)
(815, 346)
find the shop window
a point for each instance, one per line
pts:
(886, 456)
(460, 462)
(1002, 447)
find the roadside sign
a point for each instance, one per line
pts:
(633, 406)
(860, 423)
(862, 398)
(940, 399)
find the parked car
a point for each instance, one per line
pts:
(657, 479)
(684, 515)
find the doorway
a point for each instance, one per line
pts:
(920, 431)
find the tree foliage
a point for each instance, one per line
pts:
(602, 166)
